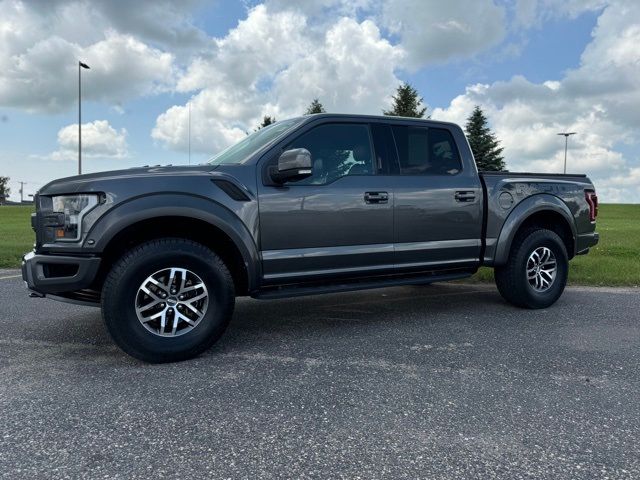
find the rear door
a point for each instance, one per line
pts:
(339, 221)
(437, 202)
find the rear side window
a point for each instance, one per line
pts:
(336, 150)
(426, 151)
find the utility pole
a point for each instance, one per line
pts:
(189, 133)
(80, 67)
(21, 191)
(566, 142)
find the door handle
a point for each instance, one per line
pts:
(376, 197)
(465, 196)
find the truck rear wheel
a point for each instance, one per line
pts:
(536, 272)
(167, 300)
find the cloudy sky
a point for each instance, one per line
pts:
(537, 67)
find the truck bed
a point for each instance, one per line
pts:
(507, 195)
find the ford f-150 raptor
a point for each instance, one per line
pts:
(316, 204)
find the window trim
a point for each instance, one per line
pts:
(394, 163)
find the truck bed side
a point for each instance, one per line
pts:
(514, 200)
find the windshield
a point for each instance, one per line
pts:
(254, 142)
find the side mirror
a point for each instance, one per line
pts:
(293, 165)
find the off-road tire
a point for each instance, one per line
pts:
(511, 279)
(121, 287)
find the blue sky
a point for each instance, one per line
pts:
(535, 66)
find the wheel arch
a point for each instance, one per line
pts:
(544, 211)
(179, 216)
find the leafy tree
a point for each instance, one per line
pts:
(484, 144)
(315, 107)
(406, 103)
(4, 189)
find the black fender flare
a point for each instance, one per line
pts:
(526, 208)
(162, 204)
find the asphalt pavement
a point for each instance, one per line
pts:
(442, 381)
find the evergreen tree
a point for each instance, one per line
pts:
(4, 189)
(484, 144)
(406, 103)
(315, 107)
(266, 121)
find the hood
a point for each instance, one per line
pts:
(86, 182)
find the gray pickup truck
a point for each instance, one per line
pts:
(316, 204)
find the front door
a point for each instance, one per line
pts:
(339, 221)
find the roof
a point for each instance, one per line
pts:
(386, 118)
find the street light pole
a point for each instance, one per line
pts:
(566, 142)
(80, 67)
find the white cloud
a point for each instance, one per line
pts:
(44, 77)
(161, 22)
(99, 140)
(600, 100)
(164, 23)
(285, 54)
(272, 63)
(210, 133)
(430, 31)
(228, 75)
(317, 8)
(40, 47)
(530, 13)
(433, 31)
(261, 44)
(351, 70)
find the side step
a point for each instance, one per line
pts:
(286, 291)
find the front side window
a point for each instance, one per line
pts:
(336, 150)
(426, 151)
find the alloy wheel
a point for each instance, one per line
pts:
(542, 268)
(171, 302)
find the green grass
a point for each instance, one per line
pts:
(16, 236)
(614, 261)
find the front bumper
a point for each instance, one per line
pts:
(53, 274)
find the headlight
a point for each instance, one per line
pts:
(73, 208)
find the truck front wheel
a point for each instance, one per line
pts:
(536, 272)
(167, 300)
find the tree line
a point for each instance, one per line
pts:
(407, 102)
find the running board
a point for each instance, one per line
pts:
(364, 284)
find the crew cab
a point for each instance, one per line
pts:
(315, 204)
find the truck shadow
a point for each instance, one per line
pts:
(258, 322)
